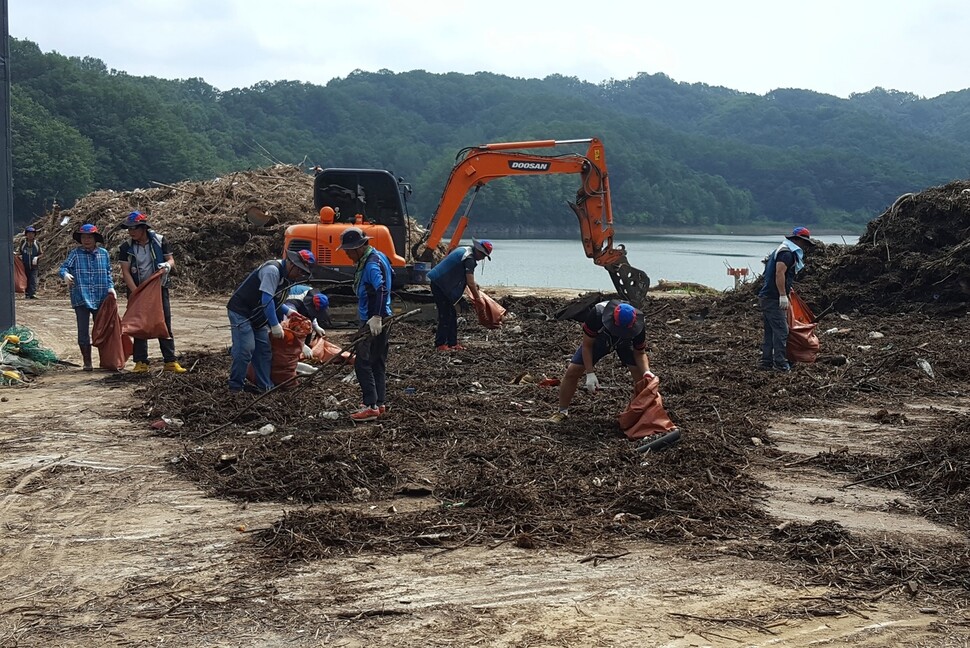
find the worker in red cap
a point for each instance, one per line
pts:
(780, 268)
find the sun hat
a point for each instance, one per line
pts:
(302, 259)
(485, 247)
(801, 234)
(88, 228)
(622, 319)
(136, 219)
(353, 238)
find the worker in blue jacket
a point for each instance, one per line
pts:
(448, 281)
(372, 285)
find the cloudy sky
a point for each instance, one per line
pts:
(833, 46)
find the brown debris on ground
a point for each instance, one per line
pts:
(492, 470)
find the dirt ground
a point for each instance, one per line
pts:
(111, 535)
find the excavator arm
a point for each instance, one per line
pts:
(479, 165)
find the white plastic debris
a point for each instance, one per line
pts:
(174, 422)
(266, 430)
(329, 415)
(926, 367)
(875, 335)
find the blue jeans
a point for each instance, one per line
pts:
(447, 331)
(371, 368)
(775, 342)
(249, 345)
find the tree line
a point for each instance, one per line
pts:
(681, 156)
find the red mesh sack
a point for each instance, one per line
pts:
(114, 347)
(803, 343)
(490, 313)
(326, 351)
(287, 351)
(645, 415)
(145, 318)
(19, 276)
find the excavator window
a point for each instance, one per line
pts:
(372, 192)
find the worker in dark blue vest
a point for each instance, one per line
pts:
(255, 310)
(780, 268)
(448, 281)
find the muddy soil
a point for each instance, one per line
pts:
(826, 506)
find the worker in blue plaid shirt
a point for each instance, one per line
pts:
(87, 272)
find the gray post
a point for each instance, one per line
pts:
(7, 313)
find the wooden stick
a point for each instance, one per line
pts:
(888, 474)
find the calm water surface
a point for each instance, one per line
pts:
(703, 259)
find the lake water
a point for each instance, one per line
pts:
(703, 259)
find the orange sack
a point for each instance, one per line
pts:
(803, 343)
(324, 350)
(114, 347)
(645, 415)
(490, 312)
(287, 352)
(145, 318)
(19, 276)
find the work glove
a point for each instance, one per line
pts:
(375, 324)
(783, 303)
(649, 375)
(166, 266)
(276, 330)
(69, 278)
(33, 261)
(307, 352)
(592, 384)
(111, 291)
(318, 330)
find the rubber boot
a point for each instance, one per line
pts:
(86, 356)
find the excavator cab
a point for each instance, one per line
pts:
(371, 199)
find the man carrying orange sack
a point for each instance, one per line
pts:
(141, 257)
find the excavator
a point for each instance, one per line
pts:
(376, 201)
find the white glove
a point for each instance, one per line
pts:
(783, 302)
(375, 324)
(33, 261)
(318, 329)
(592, 384)
(276, 331)
(111, 291)
(69, 278)
(166, 266)
(649, 375)
(307, 352)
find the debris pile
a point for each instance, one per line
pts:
(219, 230)
(915, 256)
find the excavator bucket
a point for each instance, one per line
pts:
(631, 284)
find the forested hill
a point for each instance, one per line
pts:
(680, 155)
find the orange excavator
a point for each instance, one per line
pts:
(375, 201)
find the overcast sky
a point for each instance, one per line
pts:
(832, 46)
